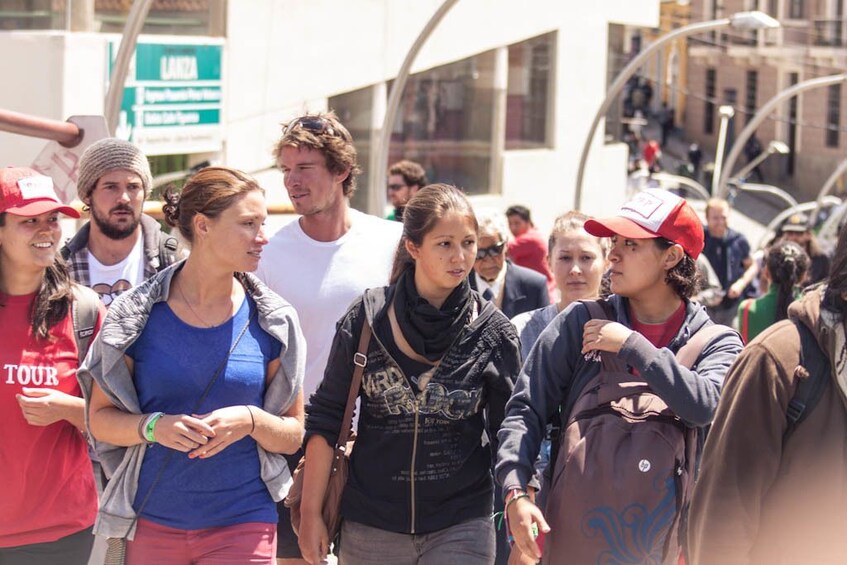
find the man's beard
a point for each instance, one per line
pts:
(112, 231)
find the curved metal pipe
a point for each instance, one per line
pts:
(762, 114)
(66, 133)
(377, 197)
(115, 94)
(826, 189)
(618, 85)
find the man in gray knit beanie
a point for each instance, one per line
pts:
(107, 155)
(120, 246)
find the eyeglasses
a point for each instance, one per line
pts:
(314, 124)
(396, 187)
(492, 251)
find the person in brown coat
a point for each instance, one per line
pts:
(763, 497)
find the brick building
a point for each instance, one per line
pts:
(745, 69)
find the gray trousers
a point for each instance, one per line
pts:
(467, 543)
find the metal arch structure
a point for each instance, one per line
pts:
(762, 115)
(803, 207)
(132, 28)
(840, 170)
(377, 197)
(749, 20)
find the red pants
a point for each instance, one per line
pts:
(253, 542)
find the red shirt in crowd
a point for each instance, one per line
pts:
(529, 250)
(45, 472)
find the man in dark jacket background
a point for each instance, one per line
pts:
(512, 288)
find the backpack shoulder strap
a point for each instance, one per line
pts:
(745, 320)
(597, 309)
(810, 389)
(688, 353)
(85, 310)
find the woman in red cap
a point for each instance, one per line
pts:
(49, 497)
(656, 238)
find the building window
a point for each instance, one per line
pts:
(709, 110)
(833, 115)
(751, 93)
(445, 123)
(528, 93)
(355, 110)
(796, 9)
(184, 17)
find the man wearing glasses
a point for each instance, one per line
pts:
(328, 257)
(404, 179)
(512, 288)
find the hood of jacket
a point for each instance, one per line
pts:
(828, 327)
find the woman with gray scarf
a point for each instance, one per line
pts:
(193, 390)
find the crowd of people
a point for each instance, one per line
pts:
(638, 388)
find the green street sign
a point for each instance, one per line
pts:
(172, 98)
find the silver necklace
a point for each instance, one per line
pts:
(193, 311)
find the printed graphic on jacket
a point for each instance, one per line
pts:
(390, 393)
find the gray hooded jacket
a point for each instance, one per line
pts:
(105, 365)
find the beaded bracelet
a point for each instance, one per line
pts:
(150, 426)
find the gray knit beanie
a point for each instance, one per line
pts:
(107, 155)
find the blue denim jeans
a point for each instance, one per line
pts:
(467, 543)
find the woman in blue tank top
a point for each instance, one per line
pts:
(207, 481)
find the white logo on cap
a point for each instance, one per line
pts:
(37, 187)
(650, 208)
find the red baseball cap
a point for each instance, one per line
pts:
(654, 213)
(24, 192)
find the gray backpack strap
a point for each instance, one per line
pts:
(85, 309)
(688, 353)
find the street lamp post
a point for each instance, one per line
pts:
(726, 113)
(763, 114)
(774, 146)
(741, 20)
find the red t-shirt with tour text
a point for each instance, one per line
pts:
(48, 489)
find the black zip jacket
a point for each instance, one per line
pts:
(422, 459)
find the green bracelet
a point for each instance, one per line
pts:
(515, 499)
(150, 425)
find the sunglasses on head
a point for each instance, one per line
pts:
(313, 124)
(492, 251)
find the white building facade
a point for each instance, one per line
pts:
(499, 101)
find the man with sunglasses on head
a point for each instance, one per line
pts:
(405, 178)
(321, 262)
(514, 289)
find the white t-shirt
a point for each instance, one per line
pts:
(113, 280)
(322, 278)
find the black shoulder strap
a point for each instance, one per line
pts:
(810, 389)
(167, 250)
(85, 309)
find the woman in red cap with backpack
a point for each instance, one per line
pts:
(632, 414)
(49, 498)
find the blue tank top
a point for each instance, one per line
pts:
(174, 363)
